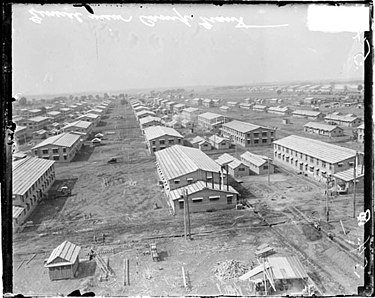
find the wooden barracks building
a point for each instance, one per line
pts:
(181, 168)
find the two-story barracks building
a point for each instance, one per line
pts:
(313, 158)
(247, 134)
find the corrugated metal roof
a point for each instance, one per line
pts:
(149, 119)
(243, 127)
(319, 125)
(348, 175)
(79, 123)
(154, 132)
(224, 159)
(64, 139)
(324, 151)
(210, 116)
(224, 107)
(66, 251)
(306, 113)
(17, 211)
(39, 119)
(179, 105)
(35, 111)
(255, 159)
(199, 186)
(259, 107)
(27, 171)
(287, 268)
(178, 160)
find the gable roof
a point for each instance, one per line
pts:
(27, 171)
(306, 113)
(149, 119)
(209, 115)
(241, 126)
(66, 251)
(79, 123)
(177, 160)
(257, 160)
(224, 159)
(324, 151)
(199, 186)
(64, 139)
(154, 132)
(217, 139)
(323, 126)
(198, 140)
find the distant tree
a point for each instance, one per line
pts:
(90, 97)
(278, 91)
(97, 96)
(22, 101)
(71, 97)
(42, 100)
(106, 96)
(33, 100)
(360, 87)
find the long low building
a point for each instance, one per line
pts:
(149, 121)
(32, 178)
(323, 129)
(161, 137)
(62, 147)
(203, 197)
(313, 115)
(190, 114)
(344, 120)
(236, 168)
(258, 164)
(311, 157)
(247, 134)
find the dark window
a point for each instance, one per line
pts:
(162, 142)
(181, 204)
(56, 158)
(229, 200)
(55, 151)
(256, 141)
(65, 157)
(264, 141)
(264, 134)
(153, 142)
(45, 151)
(179, 141)
(171, 141)
(265, 167)
(256, 135)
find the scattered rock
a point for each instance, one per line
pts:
(230, 269)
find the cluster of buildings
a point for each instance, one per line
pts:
(41, 123)
(59, 134)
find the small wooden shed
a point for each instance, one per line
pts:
(63, 261)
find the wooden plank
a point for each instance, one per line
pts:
(19, 266)
(34, 255)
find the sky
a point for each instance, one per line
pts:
(65, 49)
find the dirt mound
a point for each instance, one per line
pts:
(230, 269)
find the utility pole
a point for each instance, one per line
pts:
(327, 210)
(188, 212)
(184, 216)
(354, 183)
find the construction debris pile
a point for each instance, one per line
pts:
(230, 269)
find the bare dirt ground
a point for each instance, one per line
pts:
(118, 201)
